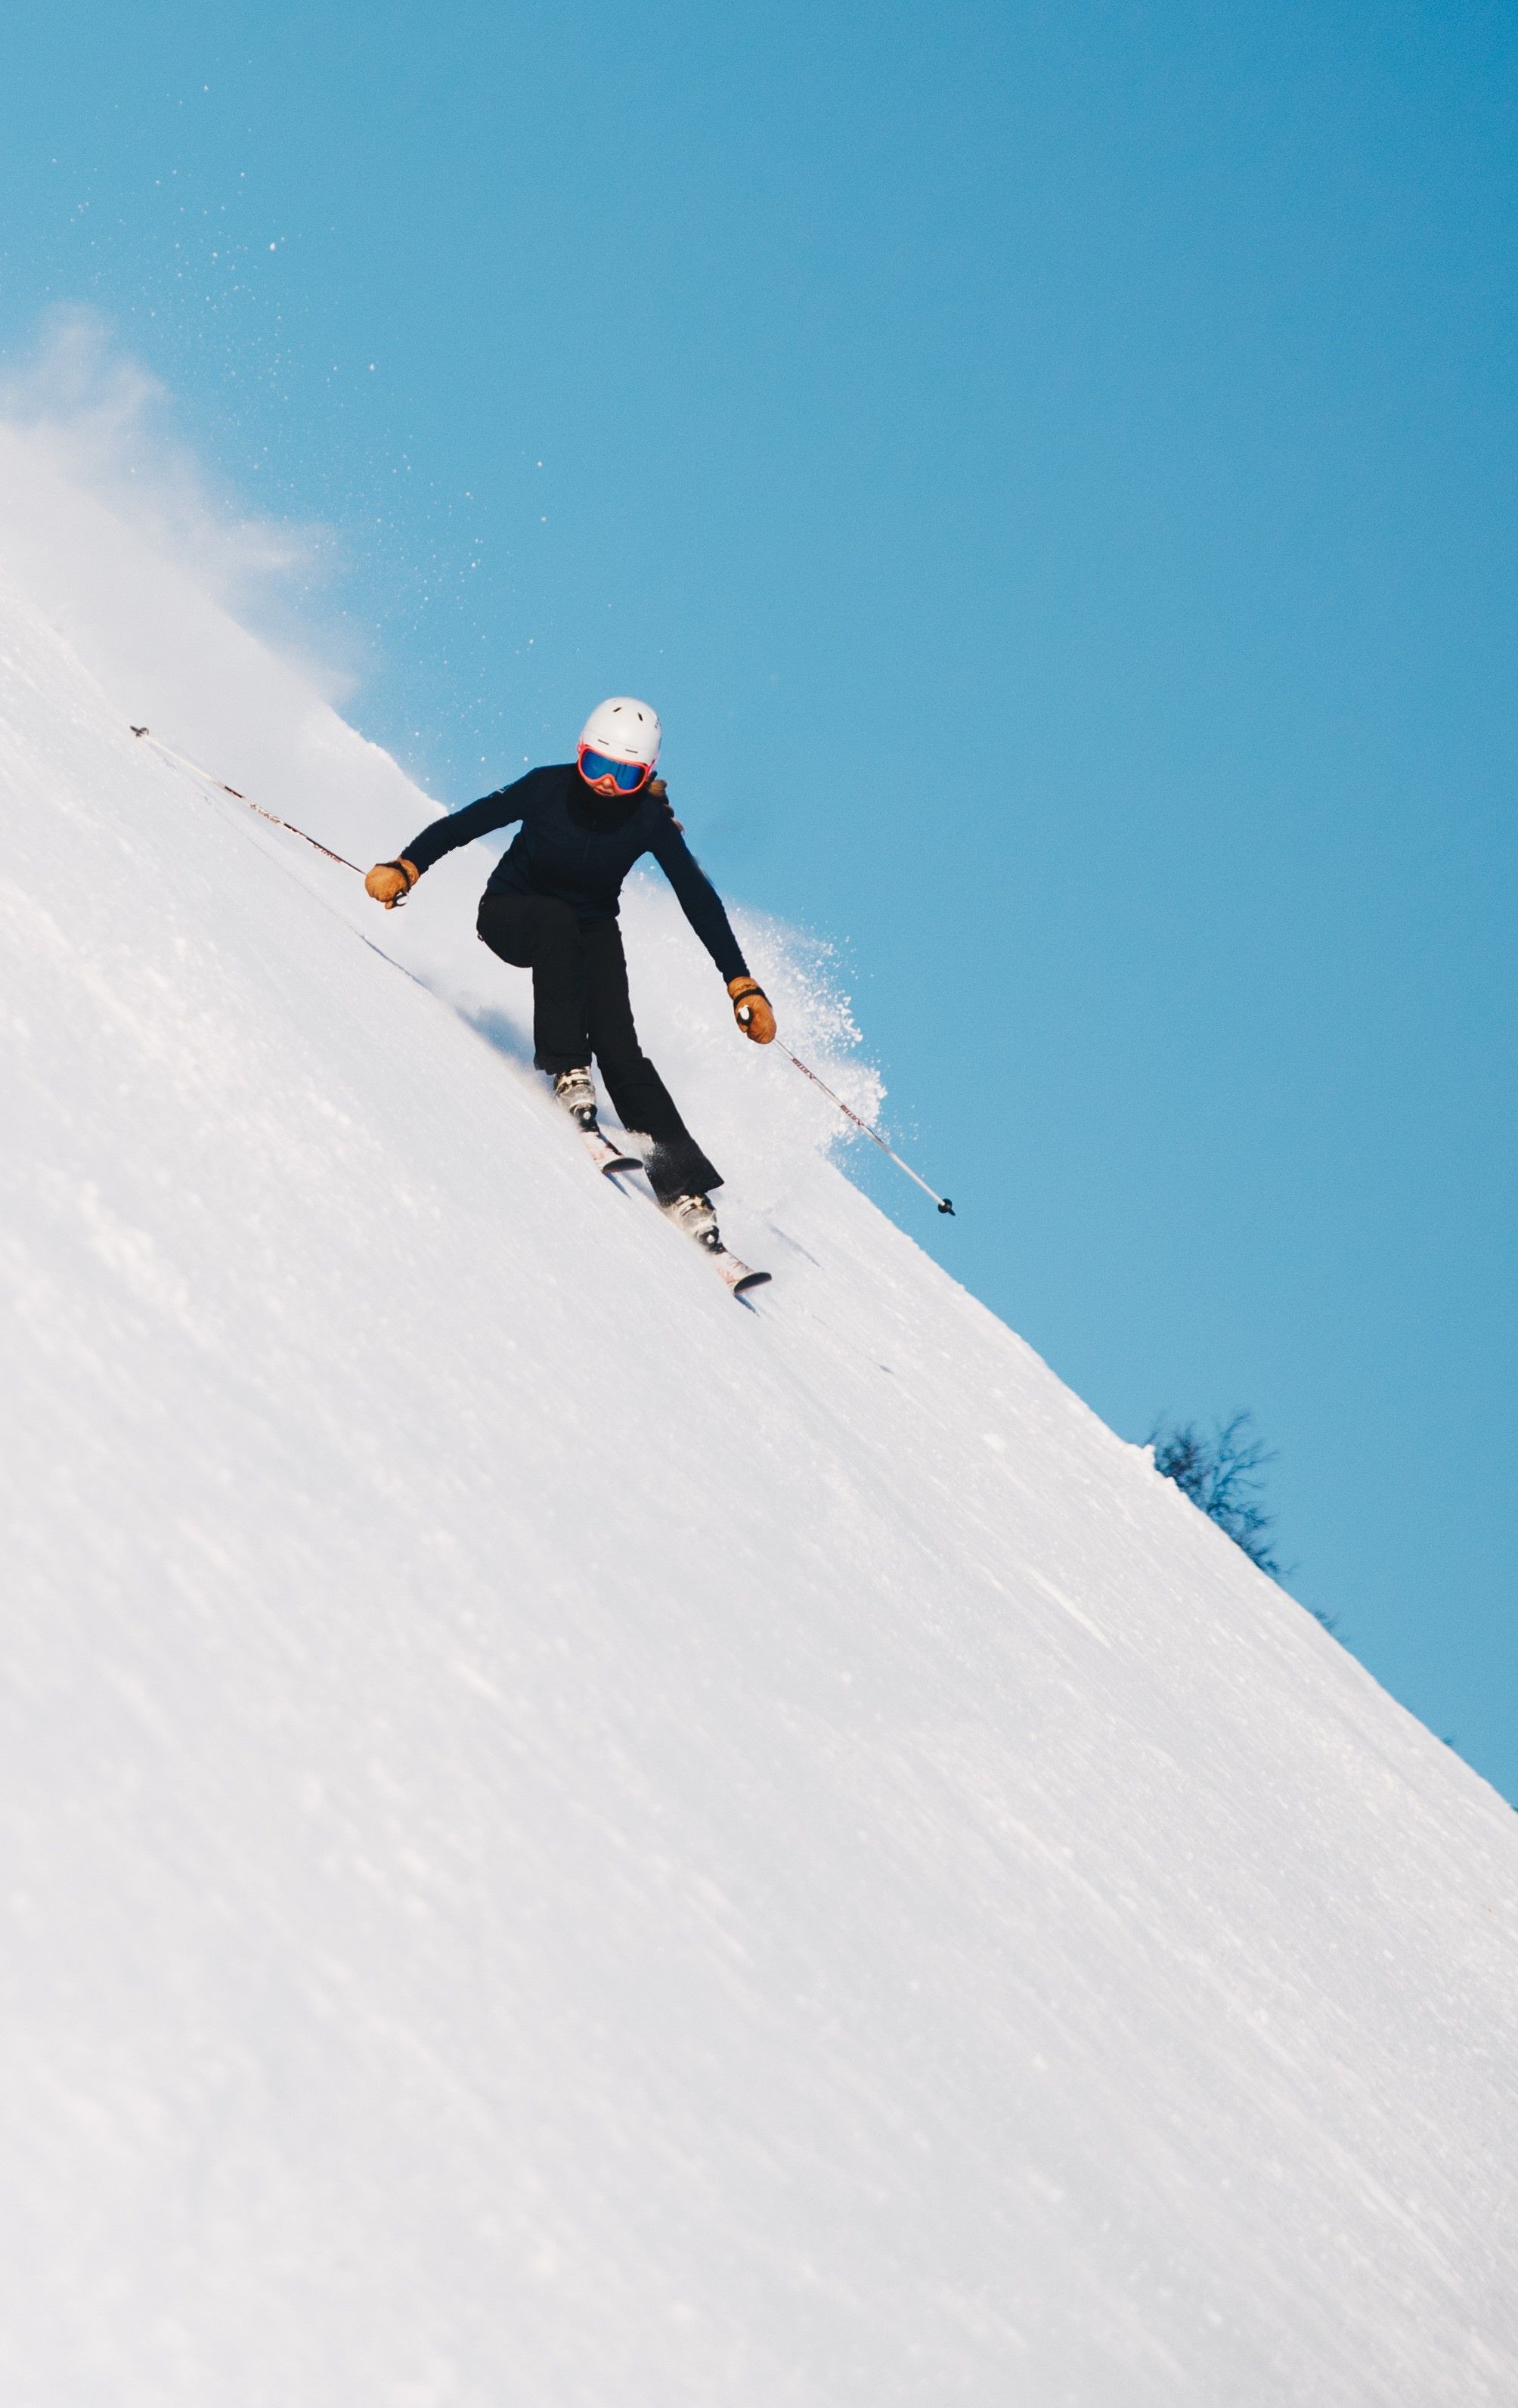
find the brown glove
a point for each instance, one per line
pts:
(390, 882)
(751, 1010)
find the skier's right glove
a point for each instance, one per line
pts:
(751, 1010)
(390, 882)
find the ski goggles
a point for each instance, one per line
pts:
(628, 775)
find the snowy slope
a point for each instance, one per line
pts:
(569, 1841)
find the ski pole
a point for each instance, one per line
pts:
(941, 1201)
(182, 762)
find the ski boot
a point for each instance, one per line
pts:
(576, 1091)
(694, 1216)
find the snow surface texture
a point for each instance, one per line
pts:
(570, 1841)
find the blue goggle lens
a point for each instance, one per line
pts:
(629, 775)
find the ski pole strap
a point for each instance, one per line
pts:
(941, 1201)
(181, 761)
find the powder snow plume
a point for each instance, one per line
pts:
(571, 1840)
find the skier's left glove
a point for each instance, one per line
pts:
(751, 1010)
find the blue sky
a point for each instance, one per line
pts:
(1054, 470)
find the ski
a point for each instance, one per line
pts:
(734, 1274)
(605, 1156)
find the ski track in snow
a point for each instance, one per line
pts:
(571, 1841)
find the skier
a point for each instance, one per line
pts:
(550, 906)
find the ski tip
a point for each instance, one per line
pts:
(733, 1273)
(605, 1157)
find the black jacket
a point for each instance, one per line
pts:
(577, 848)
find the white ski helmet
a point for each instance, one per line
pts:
(624, 730)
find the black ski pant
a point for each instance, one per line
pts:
(580, 1007)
